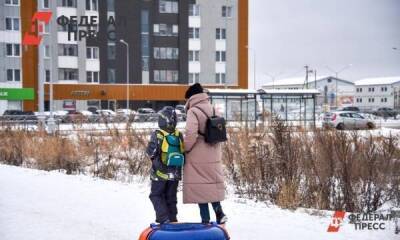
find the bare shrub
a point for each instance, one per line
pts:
(319, 169)
(12, 147)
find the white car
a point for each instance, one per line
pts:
(106, 112)
(125, 112)
(85, 113)
(347, 120)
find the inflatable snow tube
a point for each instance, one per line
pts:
(184, 231)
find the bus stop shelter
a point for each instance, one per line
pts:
(296, 107)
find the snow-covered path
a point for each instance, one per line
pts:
(38, 205)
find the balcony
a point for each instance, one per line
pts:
(67, 62)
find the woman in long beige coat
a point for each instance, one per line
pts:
(203, 180)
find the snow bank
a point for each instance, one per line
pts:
(50, 205)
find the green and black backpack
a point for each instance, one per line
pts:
(172, 149)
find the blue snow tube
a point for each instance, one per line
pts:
(185, 231)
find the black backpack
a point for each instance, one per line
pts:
(215, 128)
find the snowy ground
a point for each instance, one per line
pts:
(50, 205)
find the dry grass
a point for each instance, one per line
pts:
(321, 170)
(286, 166)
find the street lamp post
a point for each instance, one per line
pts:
(127, 71)
(254, 67)
(336, 76)
(273, 77)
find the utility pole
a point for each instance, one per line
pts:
(307, 71)
(127, 71)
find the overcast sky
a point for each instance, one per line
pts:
(288, 34)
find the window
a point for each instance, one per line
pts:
(67, 74)
(220, 78)
(169, 6)
(12, 24)
(111, 75)
(166, 76)
(47, 51)
(13, 75)
(91, 5)
(111, 51)
(371, 89)
(220, 33)
(220, 56)
(194, 56)
(194, 78)
(12, 2)
(194, 33)
(92, 77)
(227, 11)
(371, 100)
(145, 44)
(359, 90)
(92, 53)
(68, 27)
(46, 28)
(384, 89)
(110, 5)
(47, 73)
(67, 50)
(359, 100)
(12, 50)
(166, 30)
(68, 3)
(166, 53)
(46, 4)
(194, 10)
(384, 100)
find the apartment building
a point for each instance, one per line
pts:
(372, 93)
(169, 44)
(11, 92)
(333, 91)
(213, 42)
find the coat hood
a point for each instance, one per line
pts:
(196, 99)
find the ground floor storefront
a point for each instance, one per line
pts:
(12, 98)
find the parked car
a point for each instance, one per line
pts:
(104, 115)
(146, 115)
(124, 115)
(347, 120)
(350, 109)
(385, 112)
(18, 115)
(181, 116)
(77, 117)
(181, 108)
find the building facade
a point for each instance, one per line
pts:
(334, 92)
(213, 42)
(10, 54)
(373, 93)
(169, 44)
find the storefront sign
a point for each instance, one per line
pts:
(80, 93)
(17, 94)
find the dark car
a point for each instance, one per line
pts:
(18, 115)
(75, 117)
(350, 109)
(385, 112)
(181, 108)
(146, 115)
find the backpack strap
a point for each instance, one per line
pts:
(204, 111)
(200, 133)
